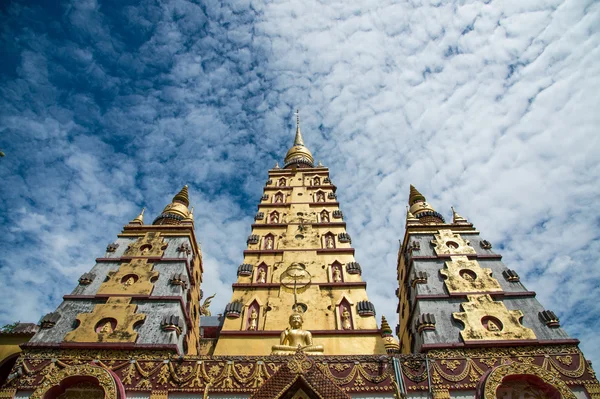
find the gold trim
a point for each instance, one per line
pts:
(496, 377)
(104, 378)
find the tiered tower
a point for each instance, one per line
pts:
(144, 293)
(455, 290)
(299, 259)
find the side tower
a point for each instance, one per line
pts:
(144, 293)
(478, 325)
(299, 267)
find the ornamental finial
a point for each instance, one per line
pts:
(456, 218)
(139, 218)
(298, 140)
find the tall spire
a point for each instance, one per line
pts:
(177, 210)
(298, 156)
(298, 139)
(182, 196)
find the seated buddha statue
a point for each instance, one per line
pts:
(294, 338)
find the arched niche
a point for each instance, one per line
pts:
(279, 198)
(336, 273)
(319, 196)
(274, 217)
(316, 181)
(324, 216)
(345, 319)
(261, 273)
(523, 381)
(329, 240)
(252, 316)
(254, 303)
(269, 242)
(282, 182)
(97, 379)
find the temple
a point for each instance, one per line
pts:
(299, 323)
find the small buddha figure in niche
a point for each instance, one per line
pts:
(320, 197)
(278, 198)
(282, 182)
(346, 324)
(337, 275)
(262, 275)
(492, 326)
(129, 282)
(328, 242)
(269, 243)
(275, 217)
(106, 328)
(294, 338)
(468, 276)
(317, 181)
(325, 217)
(253, 320)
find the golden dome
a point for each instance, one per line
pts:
(298, 155)
(177, 210)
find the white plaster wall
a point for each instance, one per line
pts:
(462, 394)
(137, 395)
(580, 393)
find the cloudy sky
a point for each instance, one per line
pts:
(490, 106)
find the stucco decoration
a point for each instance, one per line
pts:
(486, 319)
(135, 278)
(495, 378)
(120, 315)
(464, 275)
(105, 380)
(448, 243)
(151, 244)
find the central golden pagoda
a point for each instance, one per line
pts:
(299, 260)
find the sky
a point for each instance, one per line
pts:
(488, 106)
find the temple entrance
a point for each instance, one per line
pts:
(526, 387)
(83, 390)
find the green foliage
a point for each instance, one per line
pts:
(8, 328)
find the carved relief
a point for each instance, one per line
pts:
(120, 316)
(464, 275)
(486, 319)
(135, 278)
(151, 244)
(448, 243)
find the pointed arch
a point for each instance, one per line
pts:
(329, 240)
(261, 273)
(279, 198)
(269, 242)
(324, 216)
(274, 217)
(344, 314)
(61, 380)
(319, 196)
(252, 315)
(336, 272)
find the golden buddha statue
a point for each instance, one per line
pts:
(294, 338)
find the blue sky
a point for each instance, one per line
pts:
(492, 107)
